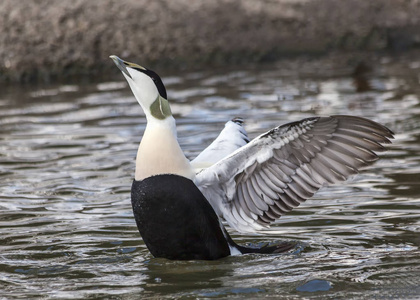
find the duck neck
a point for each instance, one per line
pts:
(160, 153)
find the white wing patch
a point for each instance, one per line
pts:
(231, 138)
(280, 169)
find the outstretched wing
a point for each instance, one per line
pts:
(280, 169)
(232, 137)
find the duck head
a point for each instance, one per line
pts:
(147, 87)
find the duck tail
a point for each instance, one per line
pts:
(268, 248)
(279, 247)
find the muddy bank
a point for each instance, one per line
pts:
(44, 40)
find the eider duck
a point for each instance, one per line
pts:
(179, 204)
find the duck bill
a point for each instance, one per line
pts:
(122, 65)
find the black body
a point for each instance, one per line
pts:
(175, 220)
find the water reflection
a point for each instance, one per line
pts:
(66, 163)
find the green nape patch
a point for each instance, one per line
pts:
(160, 108)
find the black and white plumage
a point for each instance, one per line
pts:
(249, 184)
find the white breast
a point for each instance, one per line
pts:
(160, 153)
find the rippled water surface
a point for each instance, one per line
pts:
(67, 161)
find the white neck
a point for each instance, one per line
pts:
(159, 151)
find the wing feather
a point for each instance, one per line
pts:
(270, 195)
(239, 197)
(248, 200)
(277, 177)
(232, 137)
(254, 197)
(269, 181)
(313, 186)
(237, 216)
(243, 214)
(279, 170)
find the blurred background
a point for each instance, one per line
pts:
(70, 128)
(43, 40)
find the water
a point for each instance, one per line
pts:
(67, 160)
